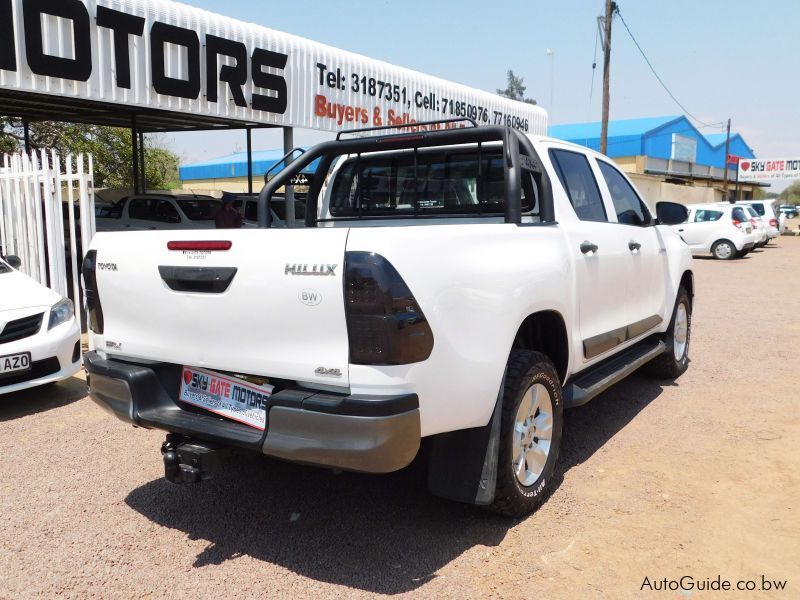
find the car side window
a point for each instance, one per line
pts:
(630, 208)
(738, 214)
(759, 208)
(703, 216)
(163, 211)
(578, 180)
(251, 210)
(139, 208)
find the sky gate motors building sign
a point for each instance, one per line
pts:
(169, 56)
(765, 169)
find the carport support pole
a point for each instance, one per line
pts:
(288, 144)
(135, 154)
(142, 171)
(249, 160)
(26, 131)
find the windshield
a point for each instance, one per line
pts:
(199, 209)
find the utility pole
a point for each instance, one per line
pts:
(611, 8)
(727, 154)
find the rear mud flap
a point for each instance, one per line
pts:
(463, 464)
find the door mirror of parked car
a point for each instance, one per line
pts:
(13, 261)
(671, 213)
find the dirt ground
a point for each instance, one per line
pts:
(697, 478)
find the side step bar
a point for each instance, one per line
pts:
(602, 376)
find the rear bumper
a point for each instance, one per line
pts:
(374, 434)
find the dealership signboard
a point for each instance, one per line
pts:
(765, 169)
(162, 55)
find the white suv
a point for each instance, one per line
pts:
(724, 230)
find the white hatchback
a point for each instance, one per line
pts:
(724, 230)
(39, 335)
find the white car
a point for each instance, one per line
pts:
(39, 335)
(759, 225)
(463, 285)
(724, 230)
(158, 211)
(768, 210)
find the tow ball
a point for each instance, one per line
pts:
(190, 461)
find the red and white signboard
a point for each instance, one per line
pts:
(765, 169)
(226, 396)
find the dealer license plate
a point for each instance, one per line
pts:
(12, 363)
(226, 396)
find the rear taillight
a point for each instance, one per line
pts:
(200, 245)
(773, 223)
(93, 308)
(737, 223)
(385, 325)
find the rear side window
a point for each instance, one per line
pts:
(629, 207)
(578, 180)
(199, 209)
(759, 208)
(738, 214)
(153, 209)
(703, 216)
(426, 184)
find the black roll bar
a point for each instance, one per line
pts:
(511, 139)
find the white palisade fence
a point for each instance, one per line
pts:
(39, 194)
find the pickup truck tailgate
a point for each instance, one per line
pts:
(272, 304)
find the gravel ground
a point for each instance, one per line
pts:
(698, 477)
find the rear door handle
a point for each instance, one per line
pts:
(634, 246)
(680, 229)
(587, 247)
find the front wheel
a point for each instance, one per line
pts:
(530, 433)
(674, 362)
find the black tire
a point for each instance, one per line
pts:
(667, 366)
(525, 369)
(717, 250)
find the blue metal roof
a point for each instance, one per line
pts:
(623, 127)
(656, 137)
(235, 165)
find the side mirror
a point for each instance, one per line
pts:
(13, 261)
(671, 213)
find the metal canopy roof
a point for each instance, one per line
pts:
(43, 107)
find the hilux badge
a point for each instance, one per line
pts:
(312, 270)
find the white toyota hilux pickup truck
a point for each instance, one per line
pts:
(456, 287)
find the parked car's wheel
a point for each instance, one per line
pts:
(674, 362)
(530, 433)
(723, 250)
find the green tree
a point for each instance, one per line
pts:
(791, 195)
(515, 89)
(110, 146)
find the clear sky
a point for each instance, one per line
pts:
(721, 58)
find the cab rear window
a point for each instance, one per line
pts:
(425, 183)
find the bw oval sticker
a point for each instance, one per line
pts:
(310, 297)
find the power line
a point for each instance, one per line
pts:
(664, 85)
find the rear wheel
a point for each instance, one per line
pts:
(674, 362)
(723, 250)
(530, 433)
